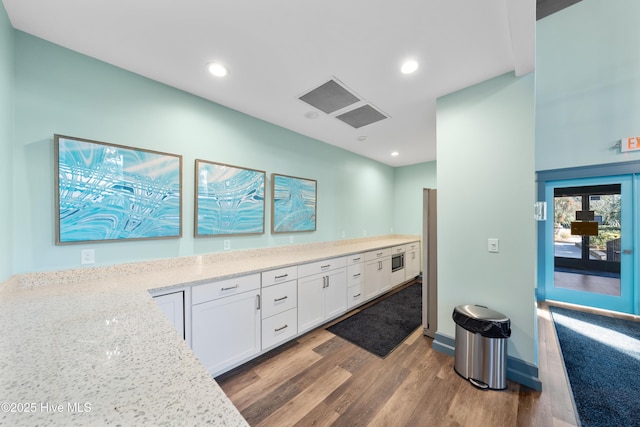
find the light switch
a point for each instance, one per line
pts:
(227, 245)
(494, 245)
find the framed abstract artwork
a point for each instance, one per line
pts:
(229, 200)
(293, 204)
(108, 192)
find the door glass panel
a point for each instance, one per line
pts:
(584, 261)
(606, 245)
(566, 245)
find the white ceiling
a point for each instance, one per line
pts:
(277, 50)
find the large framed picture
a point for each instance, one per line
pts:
(229, 200)
(293, 204)
(108, 192)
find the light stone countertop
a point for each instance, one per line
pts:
(90, 346)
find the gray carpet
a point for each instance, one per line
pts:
(383, 326)
(602, 358)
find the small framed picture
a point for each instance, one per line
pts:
(229, 200)
(293, 204)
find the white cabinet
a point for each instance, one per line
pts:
(355, 280)
(279, 306)
(377, 272)
(412, 261)
(226, 322)
(323, 295)
(172, 305)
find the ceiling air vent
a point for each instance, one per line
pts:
(329, 97)
(361, 116)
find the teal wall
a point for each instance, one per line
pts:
(485, 137)
(407, 195)
(587, 84)
(6, 147)
(61, 91)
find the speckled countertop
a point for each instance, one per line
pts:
(90, 347)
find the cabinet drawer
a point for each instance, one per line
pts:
(321, 266)
(224, 288)
(355, 259)
(354, 274)
(355, 296)
(279, 275)
(279, 298)
(398, 249)
(279, 328)
(413, 246)
(380, 253)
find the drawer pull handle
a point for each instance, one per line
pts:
(356, 275)
(379, 253)
(281, 299)
(325, 266)
(356, 296)
(229, 288)
(281, 328)
(356, 259)
(281, 277)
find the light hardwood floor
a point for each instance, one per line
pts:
(320, 379)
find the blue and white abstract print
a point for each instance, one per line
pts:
(110, 192)
(230, 200)
(294, 204)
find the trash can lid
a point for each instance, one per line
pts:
(482, 320)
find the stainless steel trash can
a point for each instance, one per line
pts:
(481, 346)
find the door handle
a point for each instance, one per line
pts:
(627, 251)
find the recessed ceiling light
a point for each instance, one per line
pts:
(362, 138)
(409, 67)
(218, 69)
(311, 115)
(395, 153)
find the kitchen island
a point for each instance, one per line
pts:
(89, 346)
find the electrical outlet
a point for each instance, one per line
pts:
(493, 245)
(343, 235)
(290, 239)
(227, 245)
(87, 256)
(364, 233)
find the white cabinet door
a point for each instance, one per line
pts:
(412, 264)
(226, 331)
(377, 277)
(335, 293)
(173, 307)
(385, 275)
(310, 301)
(321, 297)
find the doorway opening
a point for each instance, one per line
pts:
(587, 236)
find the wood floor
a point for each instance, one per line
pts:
(322, 380)
(587, 283)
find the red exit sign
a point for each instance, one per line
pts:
(630, 144)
